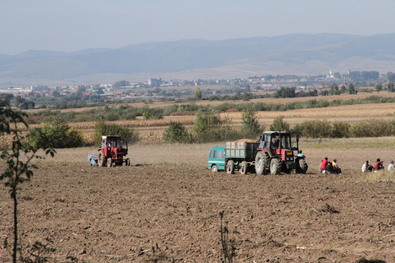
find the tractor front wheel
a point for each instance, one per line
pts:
(101, 159)
(275, 166)
(301, 166)
(261, 163)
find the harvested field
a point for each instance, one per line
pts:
(152, 130)
(167, 208)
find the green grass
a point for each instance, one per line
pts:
(349, 143)
(374, 177)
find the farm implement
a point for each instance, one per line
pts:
(112, 152)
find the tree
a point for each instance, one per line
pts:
(206, 124)
(251, 127)
(55, 134)
(6, 97)
(285, 92)
(391, 87)
(391, 76)
(18, 158)
(198, 94)
(279, 124)
(121, 83)
(176, 133)
(102, 128)
(351, 89)
(343, 89)
(209, 127)
(379, 87)
(334, 89)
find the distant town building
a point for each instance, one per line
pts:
(155, 82)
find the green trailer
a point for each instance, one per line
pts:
(240, 156)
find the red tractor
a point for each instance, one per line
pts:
(112, 152)
(275, 154)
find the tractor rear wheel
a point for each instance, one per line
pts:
(261, 164)
(275, 166)
(230, 167)
(109, 162)
(127, 162)
(243, 167)
(101, 159)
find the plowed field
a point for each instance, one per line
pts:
(166, 209)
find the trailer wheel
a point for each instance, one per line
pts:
(275, 166)
(261, 164)
(101, 159)
(214, 169)
(243, 167)
(230, 167)
(109, 162)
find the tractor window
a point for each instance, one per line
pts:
(294, 140)
(123, 144)
(285, 142)
(212, 154)
(275, 141)
(116, 143)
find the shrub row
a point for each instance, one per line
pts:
(209, 127)
(364, 128)
(125, 112)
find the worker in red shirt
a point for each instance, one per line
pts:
(378, 165)
(323, 165)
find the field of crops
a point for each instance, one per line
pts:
(151, 131)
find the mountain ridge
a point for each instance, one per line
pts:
(197, 58)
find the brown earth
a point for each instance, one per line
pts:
(167, 209)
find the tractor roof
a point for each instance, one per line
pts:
(272, 132)
(111, 137)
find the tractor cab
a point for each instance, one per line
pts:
(275, 141)
(114, 144)
(112, 151)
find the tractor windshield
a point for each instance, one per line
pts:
(281, 141)
(114, 142)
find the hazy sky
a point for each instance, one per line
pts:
(71, 25)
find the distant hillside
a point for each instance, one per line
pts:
(288, 54)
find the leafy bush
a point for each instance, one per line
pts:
(209, 127)
(279, 124)
(313, 129)
(372, 128)
(55, 134)
(177, 133)
(102, 128)
(340, 130)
